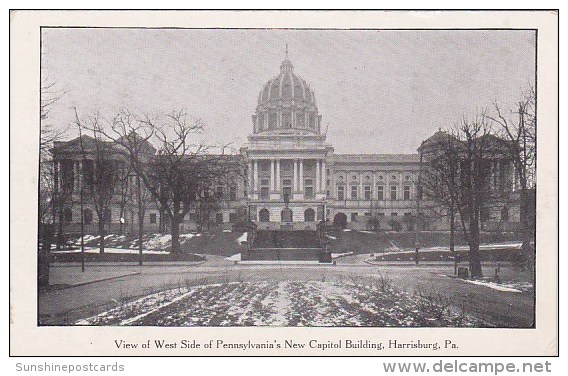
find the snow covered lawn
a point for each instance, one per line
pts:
(272, 303)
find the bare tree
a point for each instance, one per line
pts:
(439, 181)
(459, 175)
(104, 175)
(478, 146)
(521, 149)
(51, 197)
(181, 172)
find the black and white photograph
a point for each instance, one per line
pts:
(288, 177)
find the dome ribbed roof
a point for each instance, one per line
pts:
(286, 87)
(286, 105)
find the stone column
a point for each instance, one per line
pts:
(374, 187)
(317, 188)
(295, 184)
(361, 195)
(278, 175)
(272, 178)
(323, 177)
(255, 175)
(250, 179)
(301, 177)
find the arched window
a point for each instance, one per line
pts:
(88, 216)
(67, 215)
(309, 215)
(264, 215)
(286, 215)
(340, 219)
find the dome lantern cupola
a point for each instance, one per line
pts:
(286, 104)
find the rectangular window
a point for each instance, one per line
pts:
(367, 192)
(264, 193)
(287, 189)
(340, 193)
(152, 218)
(264, 189)
(406, 192)
(393, 192)
(300, 120)
(232, 217)
(354, 190)
(309, 188)
(232, 193)
(309, 192)
(353, 217)
(380, 192)
(219, 218)
(272, 121)
(394, 214)
(219, 192)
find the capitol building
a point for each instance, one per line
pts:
(296, 176)
(295, 180)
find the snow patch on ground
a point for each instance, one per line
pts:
(242, 238)
(492, 285)
(235, 257)
(482, 247)
(270, 303)
(338, 255)
(158, 241)
(331, 237)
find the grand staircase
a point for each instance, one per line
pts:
(287, 245)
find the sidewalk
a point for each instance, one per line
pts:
(72, 277)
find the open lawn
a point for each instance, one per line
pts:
(218, 292)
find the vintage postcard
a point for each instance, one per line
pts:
(284, 183)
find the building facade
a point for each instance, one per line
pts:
(293, 177)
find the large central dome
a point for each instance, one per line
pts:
(286, 103)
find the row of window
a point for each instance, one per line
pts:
(88, 216)
(368, 192)
(286, 121)
(286, 215)
(355, 216)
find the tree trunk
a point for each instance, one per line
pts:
(140, 236)
(101, 236)
(59, 229)
(474, 257)
(175, 234)
(140, 219)
(452, 230)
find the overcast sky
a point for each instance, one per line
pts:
(378, 91)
